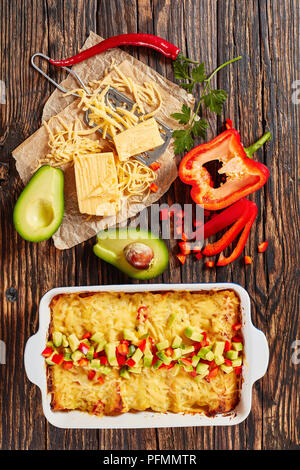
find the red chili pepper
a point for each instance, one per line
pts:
(181, 257)
(91, 374)
(83, 348)
(87, 336)
(185, 248)
(68, 365)
(244, 176)
(154, 166)
(133, 39)
(47, 352)
(142, 345)
(103, 360)
(262, 247)
(83, 362)
(57, 359)
(153, 187)
(130, 362)
(248, 260)
(227, 346)
(237, 326)
(123, 349)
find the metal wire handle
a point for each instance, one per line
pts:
(60, 88)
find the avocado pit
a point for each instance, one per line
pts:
(139, 255)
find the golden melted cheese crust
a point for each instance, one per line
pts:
(109, 312)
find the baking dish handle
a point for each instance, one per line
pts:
(33, 361)
(260, 355)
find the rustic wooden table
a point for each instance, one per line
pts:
(266, 34)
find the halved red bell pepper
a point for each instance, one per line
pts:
(243, 175)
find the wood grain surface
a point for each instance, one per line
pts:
(266, 34)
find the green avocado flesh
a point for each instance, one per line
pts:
(40, 207)
(110, 247)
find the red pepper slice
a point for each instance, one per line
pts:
(87, 335)
(103, 360)
(262, 247)
(227, 346)
(83, 348)
(237, 339)
(121, 359)
(154, 166)
(238, 370)
(181, 257)
(100, 380)
(153, 187)
(186, 362)
(57, 359)
(47, 352)
(244, 176)
(132, 39)
(91, 374)
(130, 362)
(142, 345)
(228, 362)
(248, 260)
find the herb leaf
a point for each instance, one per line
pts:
(198, 73)
(214, 100)
(199, 128)
(180, 70)
(183, 117)
(182, 140)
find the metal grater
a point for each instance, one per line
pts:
(113, 98)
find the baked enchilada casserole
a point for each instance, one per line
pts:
(110, 353)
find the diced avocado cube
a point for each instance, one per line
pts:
(163, 357)
(195, 361)
(65, 342)
(162, 345)
(237, 346)
(110, 351)
(73, 342)
(175, 370)
(97, 337)
(157, 364)
(218, 348)
(188, 368)
(95, 364)
(171, 319)
(226, 369)
(237, 362)
(57, 339)
(232, 354)
(219, 360)
(67, 350)
(202, 368)
(177, 353)
(100, 346)
(193, 335)
(129, 335)
(49, 360)
(148, 358)
(203, 351)
(137, 356)
(67, 356)
(187, 350)
(210, 356)
(135, 370)
(90, 353)
(124, 373)
(76, 356)
(105, 370)
(176, 342)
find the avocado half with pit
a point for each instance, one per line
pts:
(40, 207)
(138, 253)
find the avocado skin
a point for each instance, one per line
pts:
(20, 207)
(111, 251)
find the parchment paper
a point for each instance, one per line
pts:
(77, 227)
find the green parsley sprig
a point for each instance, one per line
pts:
(193, 73)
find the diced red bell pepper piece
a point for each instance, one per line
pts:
(181, 257)
(154, 166)
(47, 352)
(83, 362)
(83, 348)
(186, 362)
(130, 362)
(185, 248)
(238, 370)
(199, 255)
(262, 247)
(98, 408)
(103, 360)
(100, 380)
(142, 314)
(228, 362)
(237, 326)
(142, 345)
(193, 373)
(68, 365)
(91, 374)
(123, 349)
(209, 264)
(248, 260)
(227, 346)
(57, 359)
(184, 238)
(213, 373)
(121, 359)
(87, 335)
(169, 352)
(153, 187)
(237, 339)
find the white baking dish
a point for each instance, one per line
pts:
(256, 362)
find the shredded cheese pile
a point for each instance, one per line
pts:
(135, 178)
